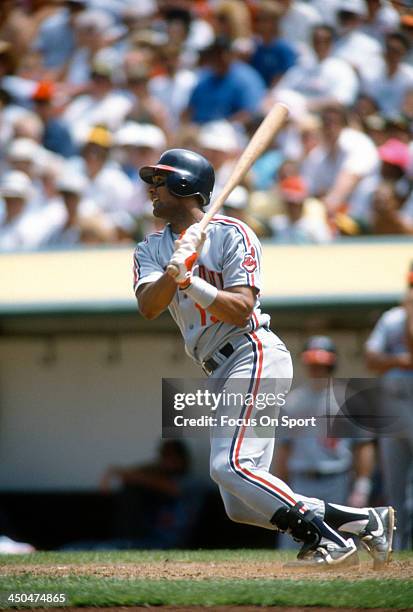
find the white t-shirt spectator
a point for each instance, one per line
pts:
(111, 190)
(297, 23)
(330, 78)
(356, 154)
(361, 51)
(85, 112)
(304, 231)
(30, 229)
(387, 20)
(388, 91)
(173, 93)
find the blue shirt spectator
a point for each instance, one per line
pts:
(271, 60)
(56, 135)
(55, 39)
(225, 90)
(57, 138)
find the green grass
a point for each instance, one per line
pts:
(99, 591)
(147, 556)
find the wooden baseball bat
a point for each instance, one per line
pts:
(265, 133)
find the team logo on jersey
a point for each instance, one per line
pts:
(250, 263)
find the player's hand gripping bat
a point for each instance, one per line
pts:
(265, 133)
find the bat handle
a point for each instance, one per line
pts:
(172, 270)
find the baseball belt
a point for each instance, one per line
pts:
(210, 365)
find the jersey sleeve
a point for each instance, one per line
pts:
(242, 258)
(145, 267)
(377, 341)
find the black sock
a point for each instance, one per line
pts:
(345, 518)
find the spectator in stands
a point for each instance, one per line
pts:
(218, 142)
(298, 20)
(324, 79)
(326, 462)
(264, 171)
(19, 23)
(71, 188)
(389, 85)
(394, 162)
(381, 18)
(388, 214)
(173, 87)
(145, 108)
(236, 206)
(185, 29)
(272, 56)
(29, 126)
(297, 224)
(92, 33)
(56, 135)
(15, 191)
(389, 353)
(336, 168)
(102, 105)
(232, 19)
(361, 50)
(227, 89)
(108, 186)
(138, 144)
(375, 127)
(21, 155)
(55, 39)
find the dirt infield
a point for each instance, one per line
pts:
(180, 570)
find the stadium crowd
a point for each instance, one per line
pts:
(92, 89)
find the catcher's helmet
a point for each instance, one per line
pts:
(319, 350)
(187, 174)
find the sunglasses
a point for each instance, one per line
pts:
(158, 180)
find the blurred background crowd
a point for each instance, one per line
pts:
(92, 89)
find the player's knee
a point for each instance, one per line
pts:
(235, 514)
(221, 473)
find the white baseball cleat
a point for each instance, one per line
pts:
(377, 537)
(327, 556)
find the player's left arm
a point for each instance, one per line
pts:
(234, 305)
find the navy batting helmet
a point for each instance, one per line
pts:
(319, 350)
(187, 174)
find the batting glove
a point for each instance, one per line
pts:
(193, 238)
(183, 261)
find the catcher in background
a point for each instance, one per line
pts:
(214, 301)
(335, 462)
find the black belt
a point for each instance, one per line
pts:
(210, 365)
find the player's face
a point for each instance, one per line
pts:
(165, 204)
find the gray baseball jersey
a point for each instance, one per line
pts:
(316, 451)
(230, 257)
(389, 336)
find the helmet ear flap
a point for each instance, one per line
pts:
(179, 185)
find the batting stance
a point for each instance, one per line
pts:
(213, 297)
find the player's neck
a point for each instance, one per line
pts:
(189, 217)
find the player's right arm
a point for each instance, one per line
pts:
(153, 287)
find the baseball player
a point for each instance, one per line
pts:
(214, 301)
(389, 352)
